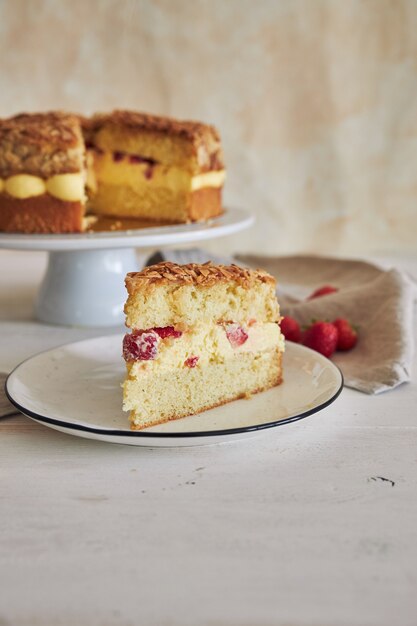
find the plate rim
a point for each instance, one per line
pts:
(175, 435)
(231, 221)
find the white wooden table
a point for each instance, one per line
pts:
(311, 524)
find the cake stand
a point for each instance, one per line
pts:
(84, 280)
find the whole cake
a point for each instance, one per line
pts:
(201, 336)
(57, 168)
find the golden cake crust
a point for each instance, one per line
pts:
(204, 275)
(135, 120)
(40, 214)
(41, 144)
(204, 138)
(205, 203)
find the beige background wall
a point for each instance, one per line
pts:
(316, 100)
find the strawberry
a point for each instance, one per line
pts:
(140, 346)
(167, 331)
(322, 337)
(236, 334)
(322, 291)
(348, 335)
(191, 361)
(290, 328)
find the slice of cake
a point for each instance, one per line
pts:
(201, 335)
(42, 173)
(154, 168)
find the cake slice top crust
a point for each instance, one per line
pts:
(41, 144)
(191, 145)
(183, 296)
(202, 275)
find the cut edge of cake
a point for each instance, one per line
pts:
(173, 170)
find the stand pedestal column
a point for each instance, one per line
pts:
(85, 287)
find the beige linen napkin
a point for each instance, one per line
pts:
(379, 302)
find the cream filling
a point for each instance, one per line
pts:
(71, 187)
(210, 345)
(209, 179)
(67, 187)
(24, 186)
(139, 175)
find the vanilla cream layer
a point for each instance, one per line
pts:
(210, 344)
(138, 176)
(67, 187)
(208, 179)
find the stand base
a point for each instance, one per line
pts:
(85, 287)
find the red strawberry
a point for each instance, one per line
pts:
(348, 336)
(322, 291)
(191, 361)
(322, 337)
(236, 334)
(167, 331)
(140, 346)
(290, 328)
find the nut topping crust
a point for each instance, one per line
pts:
(41, 144)
(194, 274)
(204, 138)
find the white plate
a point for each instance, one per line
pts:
(232, 221)
(76, 389)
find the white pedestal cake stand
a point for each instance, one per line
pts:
(84, 281)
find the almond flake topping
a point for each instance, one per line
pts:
(206, 274)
